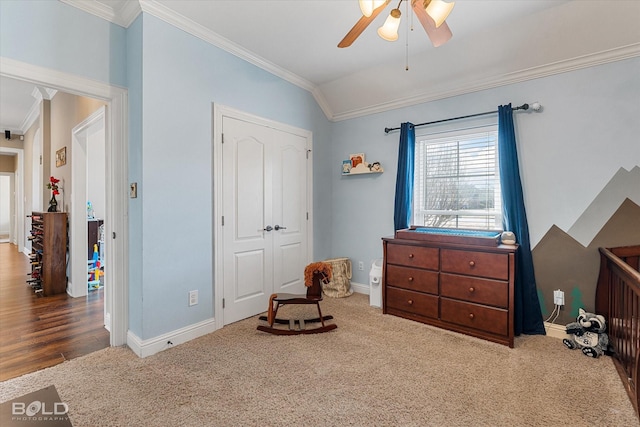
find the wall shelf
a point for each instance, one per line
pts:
(360, 168)
(361, 173)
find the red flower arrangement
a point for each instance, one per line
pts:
(53, 185)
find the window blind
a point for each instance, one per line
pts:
(457, 180)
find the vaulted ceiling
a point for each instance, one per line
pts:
(495, 42)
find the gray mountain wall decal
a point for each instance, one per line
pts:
(562, 262)
(623, 185)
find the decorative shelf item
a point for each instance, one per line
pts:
(356, 165)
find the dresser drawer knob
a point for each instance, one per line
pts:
(410, 255)
(472, 289)
(411, 279)
(410, 302)
(471, 316)
(472, 263)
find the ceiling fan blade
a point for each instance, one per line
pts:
(438, 36)
(360, 26)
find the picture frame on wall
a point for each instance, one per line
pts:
(61, 157)
(356, 159)
(346, 166)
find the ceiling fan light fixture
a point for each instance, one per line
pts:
(368, 6)
(439, 10)
(389, 30)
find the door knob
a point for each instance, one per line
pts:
(268, 228)
(277, 227)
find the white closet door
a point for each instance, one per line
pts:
(264, 205)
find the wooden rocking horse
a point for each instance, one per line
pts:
(315, 275)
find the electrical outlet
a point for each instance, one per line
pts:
(361, 266)
(193, 298)
(558, 297)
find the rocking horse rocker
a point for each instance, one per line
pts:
(315, 275)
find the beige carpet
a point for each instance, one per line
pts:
(374, 370)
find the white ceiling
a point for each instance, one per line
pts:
(494, 42)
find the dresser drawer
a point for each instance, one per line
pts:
(412, 278)
(473, 289)
(492, 320)
(413, 256)
(413, 302)
(484, 264)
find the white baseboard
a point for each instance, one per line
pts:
(107, 321)
(148, 347)
(360, 288)
(555, 331)
(144, 348)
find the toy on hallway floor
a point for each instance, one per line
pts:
(588, 334)
(94, 269)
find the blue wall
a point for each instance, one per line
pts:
(134, 80)
(588, 129)
(181, 77)
(54, 35)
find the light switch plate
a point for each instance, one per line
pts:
(133, 190)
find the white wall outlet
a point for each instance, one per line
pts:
(193, 298)
(558, 297)
(361, 266)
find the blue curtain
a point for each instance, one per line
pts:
(527, 312)
(404, 180)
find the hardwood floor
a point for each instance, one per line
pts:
(37, 332)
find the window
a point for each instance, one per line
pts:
(457, 180)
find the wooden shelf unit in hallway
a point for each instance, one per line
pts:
(49, 247)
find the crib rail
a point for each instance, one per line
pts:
(618, 299)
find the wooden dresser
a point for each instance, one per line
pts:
(456, 282)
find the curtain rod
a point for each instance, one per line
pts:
(522, 107)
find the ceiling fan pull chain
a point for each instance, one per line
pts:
(412, 17)
(406, 65)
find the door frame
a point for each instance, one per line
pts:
(12, 204)
(116, 158)
(77, 228)
(220, 111)
(18, 187)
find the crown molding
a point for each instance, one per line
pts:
(169, 16)
(322, 102)
(39, 93)
(31, 117)
(123, 16)
(129, 12)
(462, 88)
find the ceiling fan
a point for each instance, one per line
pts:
(430, 13)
